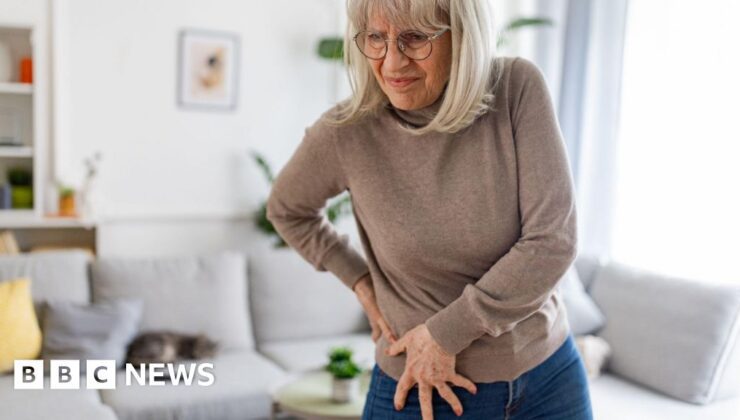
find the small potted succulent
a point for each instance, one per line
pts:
(346, 375)
(67, 201)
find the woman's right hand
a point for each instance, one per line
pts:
(366, 295)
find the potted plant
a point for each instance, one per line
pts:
(340, 206)
(21, 182)
(67, 204)
(345, 375)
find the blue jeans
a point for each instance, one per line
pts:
(555, 389)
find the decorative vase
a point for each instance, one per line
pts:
(6, 63)
(345, 390)
(88, 201)
(25, 72)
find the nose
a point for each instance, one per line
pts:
(394, 58)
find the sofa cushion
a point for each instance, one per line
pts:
(240, 391)
(320, 305)
(90, 332)
(613, 398)
(192, 295)
(674, 335)
(20, 335)
(584, 316)
(587, 267)
(59, 275)
(313, 353)
(48, 404)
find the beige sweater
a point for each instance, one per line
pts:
(467, 232)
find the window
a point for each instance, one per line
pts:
(678, 169)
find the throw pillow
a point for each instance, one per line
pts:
(98, 331)
(595, 352)
(584, 316)
(20, 335)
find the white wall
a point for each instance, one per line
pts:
(121, 59)
(172, 179)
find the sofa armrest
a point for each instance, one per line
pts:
(674, 335)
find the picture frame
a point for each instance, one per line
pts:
(208, 69)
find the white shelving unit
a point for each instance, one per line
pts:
(27, 105)
(27, 35)
(16, 88)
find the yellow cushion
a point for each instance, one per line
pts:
(20, 335)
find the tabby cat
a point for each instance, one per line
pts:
(169, 347)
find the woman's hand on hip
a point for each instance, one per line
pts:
(366, 295)
(429, 366)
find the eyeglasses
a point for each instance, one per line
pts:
(414, 44)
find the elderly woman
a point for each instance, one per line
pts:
(465, 207)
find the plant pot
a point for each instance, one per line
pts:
(345, 390)
(22, 197)
(67, 205)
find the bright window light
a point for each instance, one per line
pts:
(678, 179)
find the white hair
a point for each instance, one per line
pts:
(472, 75)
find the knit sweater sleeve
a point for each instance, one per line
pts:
(299, 194)
(524, 278)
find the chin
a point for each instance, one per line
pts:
(403, 103)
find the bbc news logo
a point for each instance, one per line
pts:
(101, 374)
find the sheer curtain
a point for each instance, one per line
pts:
(678, 166)
(581, 56)
(647, 101)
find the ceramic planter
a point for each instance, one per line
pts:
(345, 390)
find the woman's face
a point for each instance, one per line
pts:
(411, 84)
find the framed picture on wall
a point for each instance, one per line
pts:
(208, 69)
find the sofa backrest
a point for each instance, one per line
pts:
(55, 275)
(675, 335)
(205, 294)
(289, 299)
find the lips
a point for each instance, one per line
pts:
(399, 82)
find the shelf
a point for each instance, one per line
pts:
(26, 218)
(16, 88)
(16, 151)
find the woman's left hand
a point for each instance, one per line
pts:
(429, 366)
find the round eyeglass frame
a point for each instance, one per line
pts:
(401, 46)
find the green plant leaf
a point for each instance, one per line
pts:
(262, 163)
(331, 48)
(339, 207)
(505, 34)
(20, 177)
(341, 365)
(524, 22)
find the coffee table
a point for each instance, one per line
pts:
(308, 396)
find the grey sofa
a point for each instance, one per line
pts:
(277, 316)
